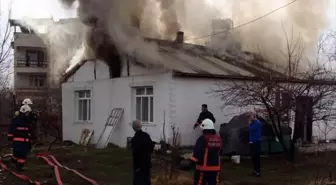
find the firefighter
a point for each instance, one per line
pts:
(32, 118)
(207, 155)
(26, 101)
(205, 114)
(20, 135)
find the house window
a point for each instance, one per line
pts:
(83, 105)
(37, 80)
(144, 98)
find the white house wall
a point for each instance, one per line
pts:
(188, 96)
(86, 72)
(108, 94)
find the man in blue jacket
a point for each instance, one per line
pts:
(254, 129)
(207, 155)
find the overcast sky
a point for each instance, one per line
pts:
(49, 8)
(36, 8)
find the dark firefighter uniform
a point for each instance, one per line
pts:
(207, 158)
(32, 120)
(20, 133)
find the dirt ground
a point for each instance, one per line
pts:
(112, 166)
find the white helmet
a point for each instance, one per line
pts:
(27, 101)
(25, 108)
(207, 124)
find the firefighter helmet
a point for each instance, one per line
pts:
(207, 124)
(25, 109)
(27, 101)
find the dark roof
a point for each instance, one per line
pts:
(72, 71)
(197, 59)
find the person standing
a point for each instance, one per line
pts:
(142, 149)
(206, 155)
(205, 114)
(254, 129)
(32, 119)
(20, 135)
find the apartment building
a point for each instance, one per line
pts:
(31, 66)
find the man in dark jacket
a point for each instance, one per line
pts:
(205, 114)
(20, 133)
(142, 149)
(207, 155)
(254, 129)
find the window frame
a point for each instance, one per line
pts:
(36, 53)
(77, 99)
(150, 96)
(36, 79)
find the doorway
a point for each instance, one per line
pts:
(304, 118)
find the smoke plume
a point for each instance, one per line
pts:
(120, 25)
(301, 20)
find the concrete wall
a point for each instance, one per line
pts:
(187, 96)
(108, 94)
(27, 40)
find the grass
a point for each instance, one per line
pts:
(113, 166)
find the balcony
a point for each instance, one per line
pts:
(31, 66)
(27, 40)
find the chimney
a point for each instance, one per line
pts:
(179, 37)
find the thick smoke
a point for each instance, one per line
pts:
(169, 17)
(122, 24)
(301, 20)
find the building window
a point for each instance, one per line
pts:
(144, 102)
(37, 80)
(83, 105)
(35, 58)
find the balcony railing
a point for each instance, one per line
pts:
(31, 63)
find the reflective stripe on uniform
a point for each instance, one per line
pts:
(22, 161)
(10, 135)
(22, 128)
(217, 178)
(193, 159)
(20, 139)
(200, 180)
(207, 168)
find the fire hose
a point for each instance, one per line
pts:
(51, 161)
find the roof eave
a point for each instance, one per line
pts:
(71, 72)
(251, 78)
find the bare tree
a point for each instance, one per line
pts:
(5, 45)
(304, 94)
(6, 97)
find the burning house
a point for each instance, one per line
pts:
(160, 82)
(165, 92)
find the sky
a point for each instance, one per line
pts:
(36, 8)
(48, 8)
